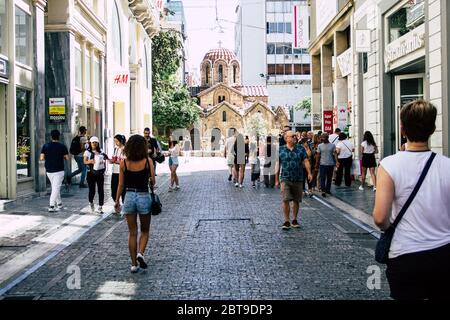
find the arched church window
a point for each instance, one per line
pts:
(224, 116)
(220, 73)
(234, 73)
(207, 74)
(221, 99)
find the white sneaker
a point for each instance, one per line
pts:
(177, 188)
(134, 269)
(170, 189)
(141, 261)
(374, 189)
(100, 210)
(241, 186)
(361, 188)
(52, 209)
(236, 185)
(60, 206)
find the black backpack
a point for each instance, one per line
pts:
(75, 146)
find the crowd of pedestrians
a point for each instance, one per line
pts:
(299, 163)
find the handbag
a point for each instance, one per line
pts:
(160, 157)
(384, 243)
(156, 207)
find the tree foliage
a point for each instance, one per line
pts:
(257, 125)
(173, 106)
(304, 105)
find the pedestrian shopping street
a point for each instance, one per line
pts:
(212, 241)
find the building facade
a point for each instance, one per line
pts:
(64, 64)
(129, 76)
(226, 103)
(22, 88)
(369, 58)
(274, 52)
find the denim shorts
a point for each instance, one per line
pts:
(173, 161)
(137, 203)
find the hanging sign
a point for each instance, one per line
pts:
(4, 73)
(301, 27)
(328, 121)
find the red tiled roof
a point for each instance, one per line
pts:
(253, 91)
(220, 53)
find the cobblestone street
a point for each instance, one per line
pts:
(212, 241)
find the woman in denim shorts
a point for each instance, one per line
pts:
(135, 173)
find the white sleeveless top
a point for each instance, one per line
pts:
(426, 223)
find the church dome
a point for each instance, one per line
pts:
(220, 53)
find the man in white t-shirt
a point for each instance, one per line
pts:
(334, 138)
(229, 153)
(344, 149)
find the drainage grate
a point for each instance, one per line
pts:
(19, 213)
(219, 222)
(66, 195)
(360, 235)
(18, 298)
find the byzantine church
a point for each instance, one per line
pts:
(227, 103)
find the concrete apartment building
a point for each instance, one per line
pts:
(371, 57)
(271, 41)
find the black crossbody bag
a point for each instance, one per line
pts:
(384, 243)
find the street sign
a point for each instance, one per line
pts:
(57, 110)
(362, 40)
(4, 68)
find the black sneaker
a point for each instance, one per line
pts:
(229, 178)
(286, 225)
(295, 224)
(142, 263)
(324, 194)
(69, 180)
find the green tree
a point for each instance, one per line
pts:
(173, 107)
(304, 105)
(257, 125)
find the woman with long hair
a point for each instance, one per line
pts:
(136, 171)
(118, 156)
(174, 152)
(95, 159)
(368, 150)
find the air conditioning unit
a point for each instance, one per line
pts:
(286, 56)
(296, 56)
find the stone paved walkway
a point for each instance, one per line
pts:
(214, 241)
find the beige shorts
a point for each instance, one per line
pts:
(292, 191)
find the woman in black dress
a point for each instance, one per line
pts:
(368, 150)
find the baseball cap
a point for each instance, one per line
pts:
(94, 139)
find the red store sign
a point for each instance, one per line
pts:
(121, 78)
(328, 121)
